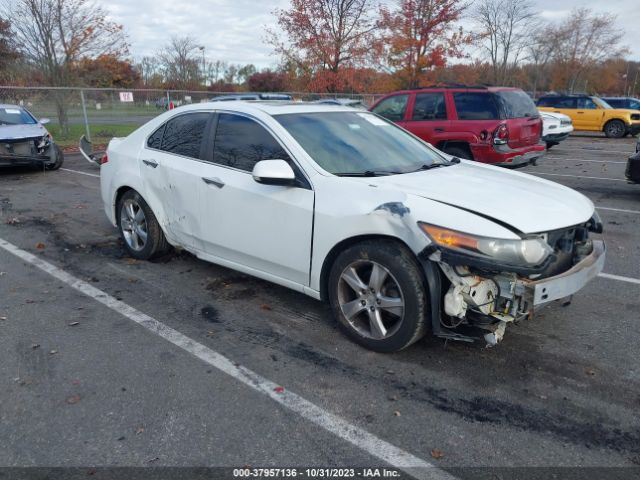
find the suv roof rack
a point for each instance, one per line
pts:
(483, 86)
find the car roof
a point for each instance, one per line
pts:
(477, 88)
(270, 107)
(8, 105)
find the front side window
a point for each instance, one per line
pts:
(242, 142)
(476, 106)
(586, 104)
(183, 134)
(358, 143)
(429, 106)
(566, 102)
(393, 108)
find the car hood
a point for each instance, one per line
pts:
(554, 116)
(16, 132)
(524, 202)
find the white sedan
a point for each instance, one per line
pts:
(347, 207)
(556, 127)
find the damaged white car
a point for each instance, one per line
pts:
(25, 142)
(347, 207)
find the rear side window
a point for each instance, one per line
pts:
(241, 143)
(586, 104)
(547, 101)
(566, 102)
(183, 134)
(517, 104)
(476, 106)
(392, 108)
(429, 106)
(155, 139)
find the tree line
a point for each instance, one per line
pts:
(330, 46)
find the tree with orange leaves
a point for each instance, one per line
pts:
(420, 35)
(327, 39)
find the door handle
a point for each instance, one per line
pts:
(150, 163)
(439, 129)
(213, 181)
(580, 112)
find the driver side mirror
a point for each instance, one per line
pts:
(44, 121)
(273, 172)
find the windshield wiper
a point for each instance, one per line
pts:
(429, 166)
(367, 173)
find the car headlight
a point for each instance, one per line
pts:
(528, 251)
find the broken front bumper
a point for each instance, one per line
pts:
(566, 284)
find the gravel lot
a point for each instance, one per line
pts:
(83, 385)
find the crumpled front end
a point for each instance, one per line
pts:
(483, 299)
(28, 151)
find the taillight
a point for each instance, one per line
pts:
(501, 135)
(104, 159)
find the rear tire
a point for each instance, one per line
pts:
(615, 129)
(378, 295)
(143, 238)
(460, 152)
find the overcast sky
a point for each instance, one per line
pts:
(233, 30)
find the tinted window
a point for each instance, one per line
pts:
(547, 102)
(633, 104)
(241, 142)
(586, 103)
(517, 104)
(183, 134)
(618, 103)
(155, 139)
(429, 106)
(392, 108)
(476, 106)
(566, 102)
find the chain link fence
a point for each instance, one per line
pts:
(102, 113)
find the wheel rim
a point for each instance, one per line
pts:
(371, 299)
(134, 225)
(615, 129)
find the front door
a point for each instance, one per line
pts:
(267, 228)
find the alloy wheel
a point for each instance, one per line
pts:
(134, 225)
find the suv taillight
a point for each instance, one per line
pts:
(501, 135)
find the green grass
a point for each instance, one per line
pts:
(100, 133)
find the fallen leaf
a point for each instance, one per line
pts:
(40, 245)
(278, 389)
(437, 453)
(264, 306)
(590, 371)
(132, 261)
(73, 399)
(396, 413)
(210, 333)
(12, 221)
(73, 324)
(393, 398)
(139, 430)
(154, 459)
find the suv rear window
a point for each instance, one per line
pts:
(517, 104)
(476, 106)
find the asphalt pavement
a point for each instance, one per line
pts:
(85, 384)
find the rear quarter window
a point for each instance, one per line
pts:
(517, 104)
(476, 106)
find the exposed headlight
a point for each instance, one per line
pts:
(529, 251)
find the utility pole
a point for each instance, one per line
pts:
(204, 74)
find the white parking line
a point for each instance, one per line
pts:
(81, 173)
(575, 176)
(550, 157)
(619, 210)
(332, 423)
(620, 278)
(596, 150)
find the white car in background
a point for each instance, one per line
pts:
(347, 207)
(555, 127)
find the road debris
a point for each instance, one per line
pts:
(73, 399)
(437, 453)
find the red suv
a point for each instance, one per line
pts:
(497, 125)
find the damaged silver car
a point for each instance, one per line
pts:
(25, 142)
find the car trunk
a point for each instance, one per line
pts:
(522, 118)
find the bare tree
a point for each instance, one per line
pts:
(180, 63)
(55, 34)
(506, 27)
(540, 52)
(584, 40)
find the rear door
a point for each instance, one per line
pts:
(428, 117)
(589, 113)
(170, 164)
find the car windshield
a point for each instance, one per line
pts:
(15, 116)
(358, 143)
(601, 103)
(517, 104)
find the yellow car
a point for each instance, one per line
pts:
(593, 114)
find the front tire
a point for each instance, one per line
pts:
(377, 293)
(59, 159)
(615, 129)
(143, 238)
